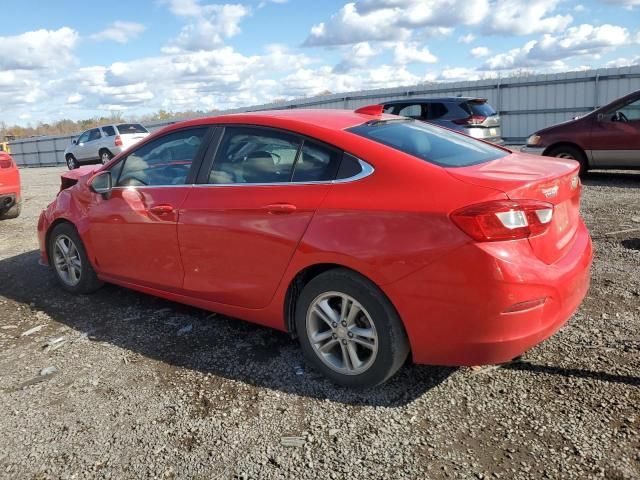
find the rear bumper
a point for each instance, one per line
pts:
(454, 311)
(533, 150)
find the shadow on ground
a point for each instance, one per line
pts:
(220, 345)
(618, 179)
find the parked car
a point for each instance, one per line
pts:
(101, 144)
(10, 197)
(367, 235)
(608, 137)
(472, 116)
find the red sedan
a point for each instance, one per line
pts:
(9, 187)
(368, 236)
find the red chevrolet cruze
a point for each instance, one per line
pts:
(368, 236)
(9, 187)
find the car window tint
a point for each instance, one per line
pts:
(430, 143)
(254, 155)
(477, 107)
(631, 110)
(164, 161)
(126, 128)
(84, 137)
(412, 111)
(437, 110)
(94, 135)
(388, 108)
(316, 163)
(109, 131)
(115, 171)
(349, 167)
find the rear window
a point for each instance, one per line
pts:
(478, 108)
(125, 128)
(430, 143)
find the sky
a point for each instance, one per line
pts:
(79, 59)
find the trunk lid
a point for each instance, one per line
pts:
(521, 176)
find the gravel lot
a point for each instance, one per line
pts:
(143, 387)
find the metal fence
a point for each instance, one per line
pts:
(526, 104)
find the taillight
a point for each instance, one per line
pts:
(504, 219)
(5, 162)
(471, 120)
(118, 141)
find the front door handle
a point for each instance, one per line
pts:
(280, 208)
(161, 209)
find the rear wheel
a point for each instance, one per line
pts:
(571, 153)
(105, 155)
(13, 212)
(72, 163)
(349, 331)
(70, 262)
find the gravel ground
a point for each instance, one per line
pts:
(123, 385)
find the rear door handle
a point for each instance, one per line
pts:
(280, 208)
(161, 209)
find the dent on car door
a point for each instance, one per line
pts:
(240, 226)
(134, 231)
(615, 136)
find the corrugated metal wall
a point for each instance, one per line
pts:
(526, 104)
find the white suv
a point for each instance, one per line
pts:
(103, 143)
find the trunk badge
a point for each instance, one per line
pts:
(574, 182)
(550, 192)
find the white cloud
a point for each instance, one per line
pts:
(120, 32)
(395, 20)
(479, 52)
(40, 49)
(623, 62)
(583, 40)
(411, 53)
(468, 38)
(356, 57)
(210, 24)
(74, 98)
(579, 8)
(525, 17)
(629, 4)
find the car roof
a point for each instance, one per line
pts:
(430, 100)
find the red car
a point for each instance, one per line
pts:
(366, 235)
(608, 137)
(9, 187)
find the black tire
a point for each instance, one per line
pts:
(105, 155)
(13, 212)
(572, 153)
(392, 342)
(72, 163)
(88, 280)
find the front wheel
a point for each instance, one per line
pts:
(349, 331)
(72, 163)
(571, 153)
(70, 262)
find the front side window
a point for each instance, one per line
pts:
(84, 137)
(428, 142)
(254, 155)
(164, 161)
(630, 112)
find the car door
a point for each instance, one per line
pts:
(90, 147)
(615, 136)
(134, 231)
(240, 225)
(79, 148)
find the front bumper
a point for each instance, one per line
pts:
(455, 310)
(532, 150)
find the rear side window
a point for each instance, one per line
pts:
(478, 108)
(94, 135)
(430, 143)
(125, 128)
(349, 167)
(412, 111)
(109, 131)
(436, 110)
(316, 163)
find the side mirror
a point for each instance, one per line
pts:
(102, 184)
(74, 141)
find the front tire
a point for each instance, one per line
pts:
(571, 153)
(72, 163)
(70, 262)
(349, 331)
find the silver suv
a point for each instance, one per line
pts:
(103, 143)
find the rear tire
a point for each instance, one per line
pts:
(13, 212)
(72, 163)
(105, 155)
(70, 262)
(349, 331)
(571, 153)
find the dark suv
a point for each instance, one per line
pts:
(472, 116)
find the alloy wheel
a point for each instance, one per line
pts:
(342, 333)
(66, 260)
(105, 157)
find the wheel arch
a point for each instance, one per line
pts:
(566, 143)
